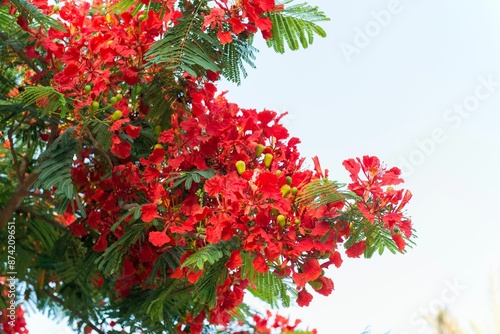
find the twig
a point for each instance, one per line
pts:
(16, 198)
(98, 147)
(39, 216)
(23, 189)
(14, 156)
(20, 53)
(76, 312)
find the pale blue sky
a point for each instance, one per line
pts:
(392, 95)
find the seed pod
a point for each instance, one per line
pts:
(268, 158)
(285, 190)
(259, 149)
(240, 166)
(116, 115)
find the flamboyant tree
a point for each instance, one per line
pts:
(134, 197)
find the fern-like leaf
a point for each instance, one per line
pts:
(210, 254)
(236, 55)
(295, 25)
(111, 260)
(31, 11)
(55, 169)
(186, 47)
(321, 192)
(55, 100)
(269, 287)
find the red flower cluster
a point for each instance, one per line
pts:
(276, 324)
(219, 173)
(15, 324)
(243, 17)
(11, 319)
(379, 200)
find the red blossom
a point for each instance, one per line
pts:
(400, 242)
(119, 148)
(149, 212)
(304, 298)
(356, 250)
(133, 131)
(158, 239)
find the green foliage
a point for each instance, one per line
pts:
(54, 99)
(269, 287)
(188, 177)
(102, 135)
(186, 46)
(205, 289)
(210, 254)
(295, 25)
(55, 169)
(30, 11)
(321, 192)
(168, 260)
(112, 258)
(236, 55)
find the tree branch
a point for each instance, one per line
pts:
(20, 53)
(35, 214)
(60, 301)
(23, 189)
(17, 197)
(14, 156)
(98, 147)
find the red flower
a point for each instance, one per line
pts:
(235, 261)
(133, 131)
(310, 271)
(260, 264)
(356, 250)
(157, 156)
(324, 285)
(225, 37)
(236, 25)
(149, 212)
(158, 238)
(304, 298)
(400, 242)
(119, 148)
(101, 244)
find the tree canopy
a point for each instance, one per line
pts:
(134, 197)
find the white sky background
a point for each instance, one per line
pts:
(392, 95)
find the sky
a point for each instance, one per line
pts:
(416, 83)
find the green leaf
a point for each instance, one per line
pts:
(320, 192)
(185, 46)
(295, 25)
(55, 169)
(275, 290)
(210, 254)
(236, 55)
(111, 260)
(29, 10)
(55, 100)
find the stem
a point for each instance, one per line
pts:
(21, 54)
(23, 188)
(17, 197)
(14, 156)
(35, 214)
(98, 147)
